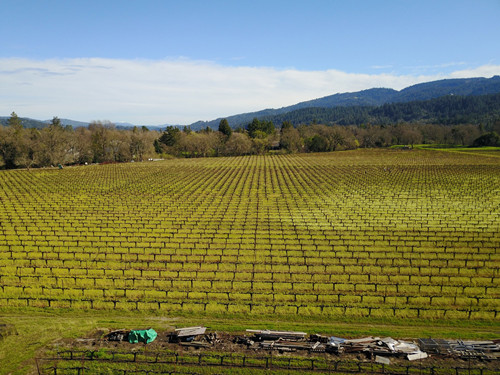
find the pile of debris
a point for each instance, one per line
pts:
(193, 336)
(487, 350)
(376, 346)
(284, 341)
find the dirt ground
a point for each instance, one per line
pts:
(228, 344)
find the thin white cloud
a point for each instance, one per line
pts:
(482, 71)
(438, 66)
(174, 91)
(382, 66)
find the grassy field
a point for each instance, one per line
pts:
(39, 329)
(366, 238)
(483, 151)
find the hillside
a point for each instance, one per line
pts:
(447, 110)
(72, 123)
(372, 97)
(39, 124)
(27, 122)
(460, 87)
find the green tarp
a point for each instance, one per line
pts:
(142, 335)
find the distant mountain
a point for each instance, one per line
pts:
(421, 91)
(446, 110)
(39, 124)
(238, 120)
(25, 121)
(370, 97)
(373, 97)
(73, 123)
(460, 87)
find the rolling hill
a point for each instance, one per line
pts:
(372, 98)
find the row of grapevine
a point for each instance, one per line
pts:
(369, 233)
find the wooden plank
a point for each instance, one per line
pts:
(190, 331)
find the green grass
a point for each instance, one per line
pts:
(445, 146)
(37, 328)
(483, 151)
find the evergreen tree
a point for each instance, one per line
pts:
(260, 128)
(170, 136)
(224, 128)
(56, 122)
(14, 122)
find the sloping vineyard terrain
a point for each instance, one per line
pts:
(372, 233)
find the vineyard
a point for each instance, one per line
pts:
(368, 233)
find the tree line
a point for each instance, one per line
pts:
(102, 142)
(56, 144)
(262, 136)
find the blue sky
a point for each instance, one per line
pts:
(157, 62)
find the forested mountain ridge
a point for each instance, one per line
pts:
(459, 87)
(372, 97)
(421, 91)
(26, 122)
(40, 124)
(445, 110)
